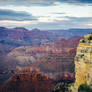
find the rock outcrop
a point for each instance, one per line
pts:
(28, 82)
(83, 62)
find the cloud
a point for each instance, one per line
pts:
(42, 2)
(79, 18)
(89, 25)
(59, 13)
(16, 23)
(83, 1)
(27, 2)
(6, 14)
(67, 23)
(76, 1)
(71, 22)
(76, 22)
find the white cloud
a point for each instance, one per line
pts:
(46, 18)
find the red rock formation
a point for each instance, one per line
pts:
(69, 43)
(64, 77)
(27, 69)
(33, 82)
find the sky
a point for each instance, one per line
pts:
(46, 14)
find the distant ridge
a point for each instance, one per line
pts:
(72, 29)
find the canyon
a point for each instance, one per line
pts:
(35, 57)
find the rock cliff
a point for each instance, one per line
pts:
(83, 62)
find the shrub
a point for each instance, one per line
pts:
(62, 87)
(83, 41)
(84, 88)
(90, 38)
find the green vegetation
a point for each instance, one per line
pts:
(84, 88)
(83, 41)
(82, 55)
(90, 38)
(86, 38)
(91, 33)
(62, 87)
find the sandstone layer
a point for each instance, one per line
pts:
(83, 62)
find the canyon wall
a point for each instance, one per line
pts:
(83, 62)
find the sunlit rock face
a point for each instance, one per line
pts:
(83, 62)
